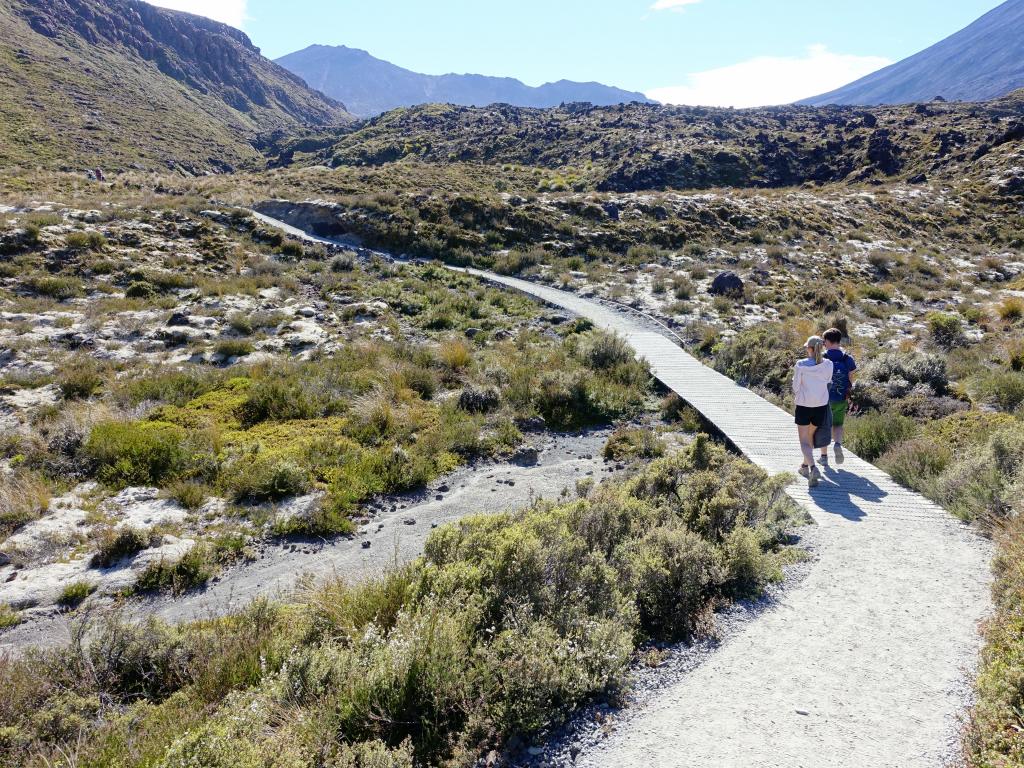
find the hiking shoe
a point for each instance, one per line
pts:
(804, 471)
(823, 460)
(813, 478)
(840, 458)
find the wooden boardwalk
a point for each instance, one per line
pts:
(867, 662)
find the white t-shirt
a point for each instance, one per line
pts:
(810, 382)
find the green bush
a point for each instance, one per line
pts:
(265, 478)
(603, 351)
(915, 462)
(140, 289)
(80, 379)
(8, 618)
(1002, 388)
(871, 434)
(74, 593)
(630, 443)
(115, 544)
(59, 288)
(193, 570)
(137, 453)
(946, 330)
(229, 348)
(994, 736)
(80, 241)
(274, 399)
(761, 356)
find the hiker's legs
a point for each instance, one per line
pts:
(807, 443)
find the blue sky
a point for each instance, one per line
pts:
(727, 52)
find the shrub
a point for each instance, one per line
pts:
(80, 379)
(1012, 309)
(1002, 389)
(274, 399)
(603, 351)
(74, 593)
(504, 625)
(762, 356)
(292, 249)
(946, 330)
(80, 241)
(8, 618)
(140, 289)
(872, 434)
(59, 288)
(914, 462)
(875, 293)
(899, 372)
(136, 453)
(473, 400)
(265, 478)
(115, 544)
(189, 494)
(193, 570)
(454, 355)
(344, 262)
(994, 736)
(24, 496)
(630, 443)
(229, 348)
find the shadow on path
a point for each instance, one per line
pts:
(838, 493)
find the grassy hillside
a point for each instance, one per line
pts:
(87, 83)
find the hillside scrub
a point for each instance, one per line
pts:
(504, 625)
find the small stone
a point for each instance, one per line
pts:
(366, 545)
(410, 521)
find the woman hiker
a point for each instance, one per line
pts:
(811, 378)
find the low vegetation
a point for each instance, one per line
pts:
(504, 625)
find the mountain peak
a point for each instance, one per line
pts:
(980, 62)
(370, 86)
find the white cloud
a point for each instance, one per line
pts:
(672, 5)
(770, 79)
(229, 11)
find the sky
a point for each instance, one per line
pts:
(738, 53)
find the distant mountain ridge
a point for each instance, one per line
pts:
(369, 86)
(123, 83)
(980, 62)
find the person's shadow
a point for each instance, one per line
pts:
(838, 491)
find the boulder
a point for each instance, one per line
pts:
(726, 284)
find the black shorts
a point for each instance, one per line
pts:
(806, 416)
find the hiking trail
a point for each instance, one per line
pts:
(867, 662)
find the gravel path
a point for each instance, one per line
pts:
(866, 663)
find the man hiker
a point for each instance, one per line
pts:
(839, 389)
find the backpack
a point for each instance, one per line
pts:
(839, 387)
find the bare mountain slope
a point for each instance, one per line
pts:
(983, 61)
